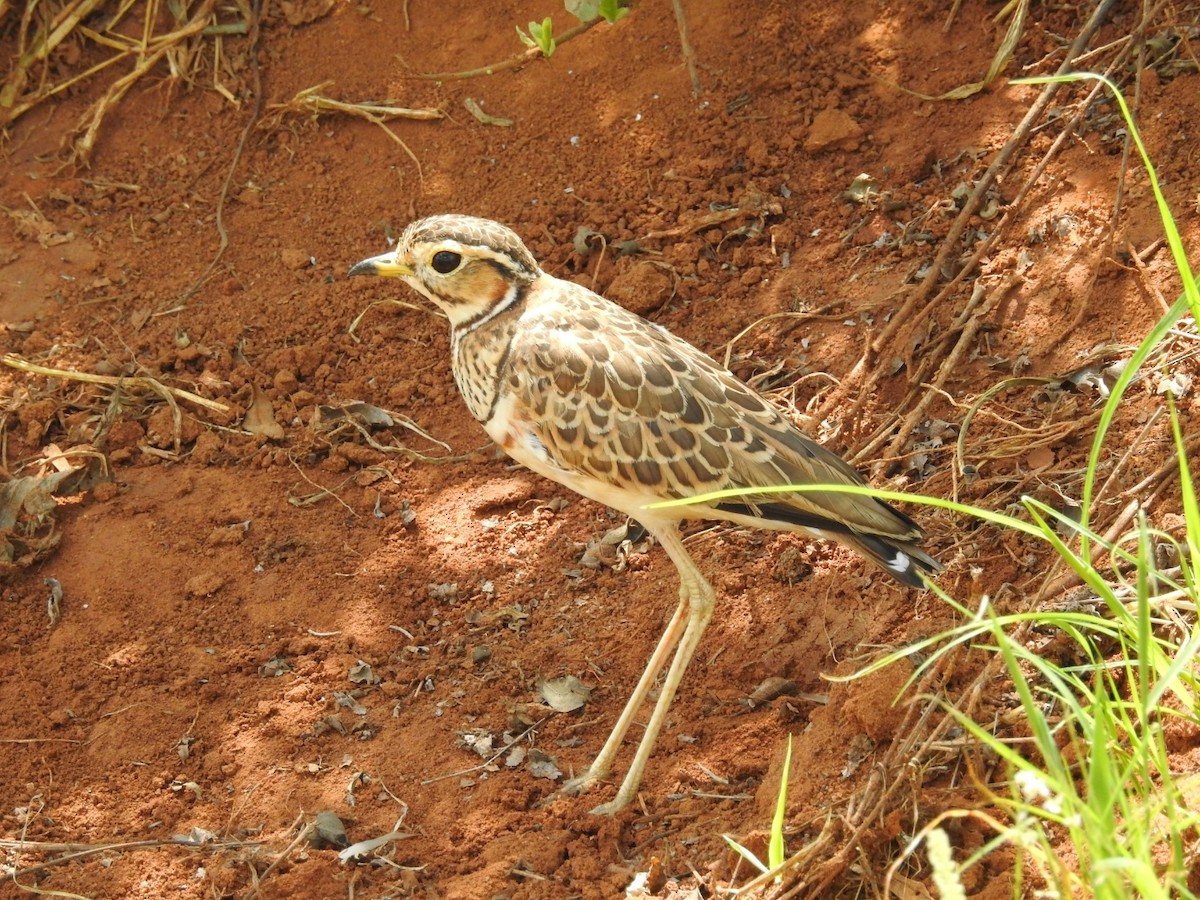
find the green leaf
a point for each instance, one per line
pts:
(746, 854)
(526, 39)
(583, 10)
(543, 36)
(612, 10)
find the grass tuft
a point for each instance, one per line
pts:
(1089, 799)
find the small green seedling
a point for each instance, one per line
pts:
(540, 36)
(776, 852)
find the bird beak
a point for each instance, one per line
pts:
(385, 265)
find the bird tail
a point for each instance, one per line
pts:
(903, 560)
(898, 554)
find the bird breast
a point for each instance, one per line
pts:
(479, 357)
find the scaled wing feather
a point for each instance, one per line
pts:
(622, 399)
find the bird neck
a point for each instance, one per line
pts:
(480, 350)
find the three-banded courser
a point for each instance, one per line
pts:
(621, 411)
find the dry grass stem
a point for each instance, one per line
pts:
(919, 305)
(48, 30)
(162, 47)
(300, 838)
(967, 327)
(685, 45)
(408, 451)
(495, 756)
(253, 13)
(753, 204)
(72, 852)
(950, 244)
(310, 102)
(167, 393)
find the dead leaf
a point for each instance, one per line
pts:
(274, 667)
(350, 702)
(33, 226)
(140, 317)
(770, 688)
(904, 888)
(479, 742)
(613, 548)
(326, 417)
(565, 693)
(27, 508)
(1039, 458)
(362, 848)
(260, 416)
(328, 831)
(196, 837)
(487, 119)
(361, 673)
(542, 766)
(331, 722)
(528, 715)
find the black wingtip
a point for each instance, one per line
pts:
(900, 557)
(906, 562)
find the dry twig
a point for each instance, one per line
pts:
(71, 852)
(685, 44)
(311, 102)
(167, 393)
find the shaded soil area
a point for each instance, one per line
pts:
(271, 608)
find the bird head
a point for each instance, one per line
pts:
(466, 266)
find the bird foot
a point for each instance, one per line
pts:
(607, 809)
(585, 782)
(574, 786)
(577, 786)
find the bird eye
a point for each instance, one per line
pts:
(444, 261)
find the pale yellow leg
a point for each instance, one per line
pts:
(696, 601)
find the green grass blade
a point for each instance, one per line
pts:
(745, 853)
(776, 853)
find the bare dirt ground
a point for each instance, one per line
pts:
(265, 614)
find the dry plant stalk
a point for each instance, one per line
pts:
(921, 302)
(74, 851)
(48, 28)
(167, 393)
(47, 39)
(151, 53)
(311, 102)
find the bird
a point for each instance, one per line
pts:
(616, 408)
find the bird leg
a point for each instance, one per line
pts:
(603, 762)
(696, 599)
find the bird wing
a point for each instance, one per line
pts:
(617, 399)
